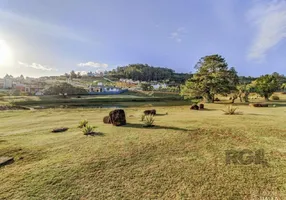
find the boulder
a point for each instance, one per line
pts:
(202, 106)
(258, 105)
(6, 161)
(194, 107)
(150, 112)
(58, 130)
(106, 120)
(117, 117)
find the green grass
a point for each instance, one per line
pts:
(182, 157)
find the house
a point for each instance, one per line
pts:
(105, 90)
(21, 87)
(39, 93)
(8, 82)
(93, 74)
(158, 85)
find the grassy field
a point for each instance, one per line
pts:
(182, 157)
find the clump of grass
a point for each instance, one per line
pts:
(230, 110)
(142, 117)
(275, 98)
(149, 120)
(83, 123)
(88, 130)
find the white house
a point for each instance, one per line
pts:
(39, 93)
(158, 85)
(8, 82)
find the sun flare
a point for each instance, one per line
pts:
(5, 53)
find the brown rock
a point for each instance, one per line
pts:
(202, 106)
(150, 112)
(117, 117)
(258, 105)
(6, 161)
(194, 107)
(106, 120)
(57, 130)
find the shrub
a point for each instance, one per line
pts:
(83, 123)
(142, 117)
(230, 110)
(88, 130)
(275, 98)
(149, 120)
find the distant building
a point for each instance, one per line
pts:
(158, 85)
(94, 74)
(105, 90)
(8, 82)
(39, 93)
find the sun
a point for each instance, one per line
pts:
(5, 53)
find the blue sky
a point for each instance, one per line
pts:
(50, 37)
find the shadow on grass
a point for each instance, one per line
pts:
(95, 134)
(161, 114)
(155, 127)
(208, 109)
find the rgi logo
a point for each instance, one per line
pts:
(245, 157)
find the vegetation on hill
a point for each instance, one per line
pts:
(144, 72)
(64, 88)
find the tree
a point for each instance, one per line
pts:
(283, 86)
(146, 87)
(266, 85)
(78, 75)
(212, 77)
(22, 77)
(64, 88)
(244, 91)
(73, 74)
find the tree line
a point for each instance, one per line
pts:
(144, 72)
(213, 77)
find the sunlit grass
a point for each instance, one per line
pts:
(182, 157)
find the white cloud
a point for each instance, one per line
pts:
(177, 35)
(93, 64)
(269, 18)
(81, 72)
(36, 66)
(36, 25)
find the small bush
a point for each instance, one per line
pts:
(149, 120)
(83, 123)
(230, 110)
(88, 130)
(275, 98)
